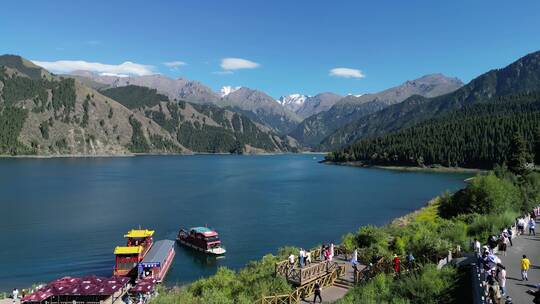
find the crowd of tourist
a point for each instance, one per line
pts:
(305, 258)
(494, 272)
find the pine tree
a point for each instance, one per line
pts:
(519, 156)
(537, 147)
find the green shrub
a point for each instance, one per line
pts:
(349, 242)
(483, 226)
(484, 195)
(428, 286)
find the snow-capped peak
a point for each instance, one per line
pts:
(293, 99)
(226, 90)
(355, 95)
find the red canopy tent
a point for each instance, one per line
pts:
(85, 289)
(37, 296)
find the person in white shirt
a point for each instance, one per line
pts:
(301, 257)
(331, 251)
(521, 225)
(15, 295)
(477, 247)
(291, 260)
(502, 278)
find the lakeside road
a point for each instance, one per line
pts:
(530, 246)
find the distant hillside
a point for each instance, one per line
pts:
(22, 65)
(45, 114)
(522, 76)
(133, 96)
(315, 128)
(476, 136)
(55, 116)
(179, 89)
(305, 106)
(208, 128)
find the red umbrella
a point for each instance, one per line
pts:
(120, 280)
(93, 279)
(89, 289)
(37, 296)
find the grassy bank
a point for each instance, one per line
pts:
(488, 203)
(436, 169)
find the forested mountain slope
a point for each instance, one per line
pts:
(475, 136)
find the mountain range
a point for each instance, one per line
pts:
(316, 128)
(46, 114)
(85, 113)
(522, 76)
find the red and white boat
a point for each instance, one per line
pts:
(201, 238)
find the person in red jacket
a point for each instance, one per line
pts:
(395, 263)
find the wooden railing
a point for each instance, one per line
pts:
(284, 268)
(304, 275)
(305, 290)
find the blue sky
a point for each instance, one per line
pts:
(287, 46)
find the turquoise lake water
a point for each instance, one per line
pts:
(65, 216)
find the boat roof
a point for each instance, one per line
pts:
(160, 250)
(204, 230)
(128, 249)
(139, 233)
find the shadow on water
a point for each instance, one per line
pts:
(199, 258)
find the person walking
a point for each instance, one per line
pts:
(501, 276)
(317, 292)
(395, 263)
(354, 259)
(15, 295)
(308, 257)
(509, 234)
(532, 227)
(410, 260)
(477, 247)
(525, 264)
(521, 225)
(503, 243)
(327, 254)
(291, 261)
(494, 291)
(331, 251)
(301, 257)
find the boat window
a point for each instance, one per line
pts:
(212, 239)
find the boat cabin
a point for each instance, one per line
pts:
(203, 239)
(157, 262)
(139, 242)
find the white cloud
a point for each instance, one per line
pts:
(68, 66)
(114, 75)
(230, 64)
(174, 65)
(346, 73)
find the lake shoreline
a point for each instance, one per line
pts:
(407, 168)
(145, 154)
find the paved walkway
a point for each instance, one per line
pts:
(530, 246)
(333, 293)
